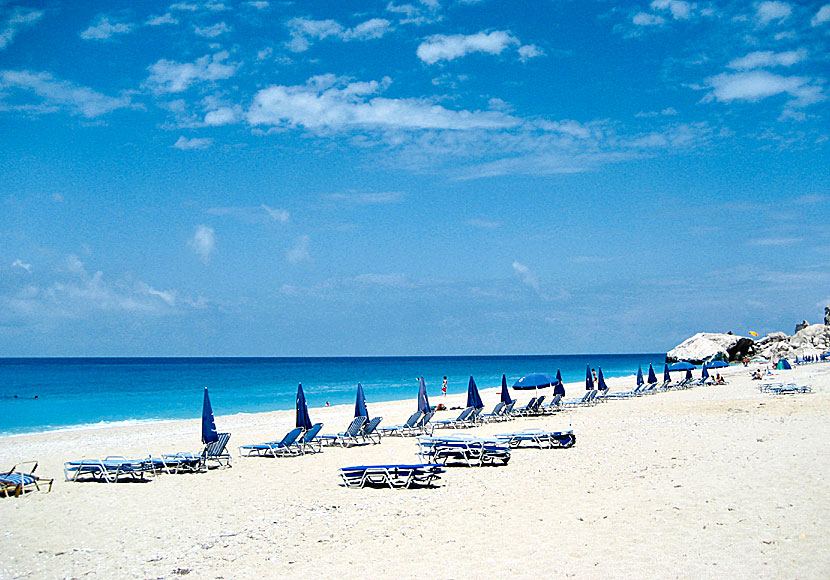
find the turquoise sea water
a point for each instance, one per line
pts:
(83, 392)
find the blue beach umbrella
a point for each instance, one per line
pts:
(360, 409)
(505, 394)
(534, 381)
(601, 381)
(666, 375)
(209, 434)
(303, 419)
(688, 374)
(718, 364)
(423, 400)
(705, 373)
(589, 379)
(559, 388)
(473, 397)
(640, 380)
(681, 366)
(652, 378)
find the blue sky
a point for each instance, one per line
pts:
(432, 177)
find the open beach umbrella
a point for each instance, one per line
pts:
(705, 373)
(652, 378)
(423, 400)
(688, 374)
(534, 381)
(303, 419)
(589, 379)
(209, 434)
(666, 375)
(681, 366)
(718, 364)
(360, 409)
(601, 381)
(505, 394)
(559, 388)
(473, 397)
(640, 381)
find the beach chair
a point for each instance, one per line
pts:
(393, 476)
(309, 442)
(348, 437)
(424, 425)
(523, 410)
(369, 433)
(454, 423)
(492, 415)
(19, 480)
(508, 414)
(282, 448)
(552, 407)
(213, 453)
(111, 469)
(540, 438)
(585, 400)
(399, 429)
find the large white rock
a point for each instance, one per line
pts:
(703, 347)
(812, 340)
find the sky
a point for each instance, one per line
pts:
(422, 177)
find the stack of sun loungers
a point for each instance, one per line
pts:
(19, 480)
(458, 450)
(394, 476)
(540, 438)
(111, 469)
(784, 389)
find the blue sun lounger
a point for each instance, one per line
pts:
(541, 438)
(17, 480)
(369, 433)
(348, 437)
(494, 415)
(394, 476)
(310, 442)
(454, 423)
(111, 469)
(407, 428)
(273, 448)
(459, 450)
(214, 454)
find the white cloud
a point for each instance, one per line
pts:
(822, 16)
(278, 215)
(185, 144)
(19, 264)
(767, 12)
(167, 76)
(184, 6)
(203, 242)
(766, 59)
(679, 10)
(529, 51)
(304, 31)
(56, 95)
(299, 253)
(162, 19)
(442, 47)
(258, 4)
(426, 13)
(222, 116)
(330, 102)
(756, 85)
(646, 19)
(369, 198)
(526, 275)
(212, 31)
(774, 241)
(103, 29)
(19, 18)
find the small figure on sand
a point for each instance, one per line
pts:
(444, 387)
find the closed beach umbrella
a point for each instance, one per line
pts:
(473, 397)
(303, 419)
(534, 381)
(705, 373)
(652, 378)
(601, 381)
(640, 380)
(423, 400)
(559, 389)
(505, 394)
(666, 375)
(688, 374)
(589, 380)
(360, 409)
(209, 434)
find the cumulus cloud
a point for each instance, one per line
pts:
(212, 31)
(822, 16)
(203, 242)
(304, 31)
(222, 116)
(18, 19)
(167, 76)
(526, 275)
(679, 9)
(19, 264)
(442, 47)
(185, 144)
(770, 11)
(103, 29)
(299, 252)
(161, 19)
(767, 59)
(646, 19)
(330, 102)
(258, 4)
(756, 85)
(56, 95)
(529, 51)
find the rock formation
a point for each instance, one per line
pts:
(801, 325)
(710, 346)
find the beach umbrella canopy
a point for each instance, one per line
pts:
(303, 419)
(534, 381)
(705, 373)
(423, 400)
(589, 379)
(666, 375)
(209, 434)
(681, 366)
(505, 394)
(718, 364)
(360, 409)
(652, 378)
(473, 397)
(640, 380)
(559, 388)
(688, 374)
(601, 381)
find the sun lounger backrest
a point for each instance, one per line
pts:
(413, 419)
(426, 419)
(370, 427)
(290, 437)
(217, 447)
(312, 433)
(356, 426)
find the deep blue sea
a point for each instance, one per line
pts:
(43, 394)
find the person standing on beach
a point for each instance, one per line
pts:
(593, 372)
(444, 387)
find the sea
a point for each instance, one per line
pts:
(48, 394)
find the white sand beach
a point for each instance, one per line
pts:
(711, 482)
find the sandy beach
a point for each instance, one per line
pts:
(711, 482)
